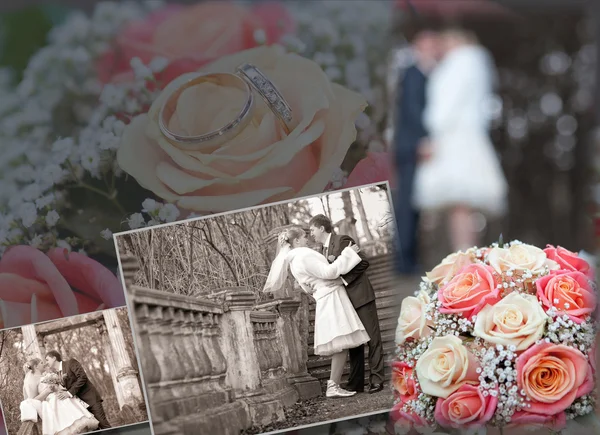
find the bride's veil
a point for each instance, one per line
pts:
(279, 268)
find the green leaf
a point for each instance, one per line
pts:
(24, 32)
(500, 241)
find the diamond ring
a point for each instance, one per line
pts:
(269, 93)
(215, 137)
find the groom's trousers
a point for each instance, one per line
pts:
(356, 380)
(98, 410)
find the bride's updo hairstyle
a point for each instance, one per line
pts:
(30, 365)
(288, 236)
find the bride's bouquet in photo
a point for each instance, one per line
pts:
(502, 336)
(52, 379)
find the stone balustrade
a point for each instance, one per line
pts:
(219, 364)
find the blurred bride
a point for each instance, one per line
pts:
(459, 171)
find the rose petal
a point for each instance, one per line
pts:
(13, 314)
(30, 263)
(89, 276)
(138, 156)
(30, 287)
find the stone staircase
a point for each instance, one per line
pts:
(384, 281)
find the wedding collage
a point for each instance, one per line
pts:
(324, 217)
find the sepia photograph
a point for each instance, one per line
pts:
(71, 376)
(266, 319)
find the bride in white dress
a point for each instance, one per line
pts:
(462, 172)
(337, 326)
(59, 417)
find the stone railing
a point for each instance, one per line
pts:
(220, 364)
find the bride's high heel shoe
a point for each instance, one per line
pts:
(334, 390)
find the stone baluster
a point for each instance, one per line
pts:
(212, 344)
(151, 370)
(192, 348)
(189, 388)
(265, 341)
(197, 330)
(161, 340)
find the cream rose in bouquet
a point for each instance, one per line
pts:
(500, 336)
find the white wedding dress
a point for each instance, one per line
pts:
(464, 167)
(337, 326)
(59, 417)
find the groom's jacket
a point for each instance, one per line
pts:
(78, 384)
(359, 288)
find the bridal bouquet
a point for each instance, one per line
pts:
(499, 336)
(80, 154)
(52, 379)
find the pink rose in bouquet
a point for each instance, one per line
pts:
(568, 260)
(467, 407)
(403, 379)
(569, 292)
(529, 420)
(192, 36)
(404, 420)
(469, 291)
(553, 376)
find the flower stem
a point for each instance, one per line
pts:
(110, 196)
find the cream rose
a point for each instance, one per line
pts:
(446, 366)
(258, 164)
(520, 257)
(448, 267)
(412, 322)
(516, 320)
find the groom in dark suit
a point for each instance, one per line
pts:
(410, 141)
(76, 382)
(361, 294)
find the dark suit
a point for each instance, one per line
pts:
(78, 384)
(361, 294)
(409, 130)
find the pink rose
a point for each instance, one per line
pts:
(471, 289)
(374, 168)
(403, 380)
(193, 35)
(593, 354)
(406, 420)
(528, 420)
(36, 287)
(570, 292)
(466, 407)
(553, 376)
(568, 260)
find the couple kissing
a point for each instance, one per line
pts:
(60, 393)
(345, 315)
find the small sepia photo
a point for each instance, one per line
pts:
(266, 319)
(71, 376)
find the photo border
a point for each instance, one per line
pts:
(255, 207)
(137, 356)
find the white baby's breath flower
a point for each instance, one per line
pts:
(158, 64)
(150, 206)
(168, 213)
(140, 70)
(36, 241)
(135, 221)
(52, 218)
(27, 212)
(64, 244)
(106, 234)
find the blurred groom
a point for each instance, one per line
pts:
(410, 142)
(361, 294)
